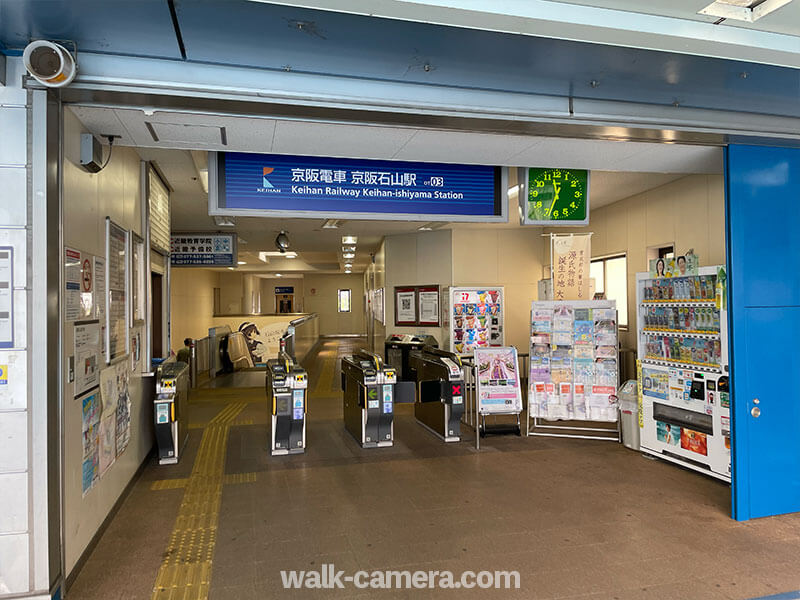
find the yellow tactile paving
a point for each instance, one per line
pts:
(185, 573)
(169, 484)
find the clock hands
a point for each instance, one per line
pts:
(556, 189)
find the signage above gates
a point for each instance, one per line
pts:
(274, 185)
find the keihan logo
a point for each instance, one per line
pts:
(265, 181)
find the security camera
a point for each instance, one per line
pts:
(49, 63)
(282, 242)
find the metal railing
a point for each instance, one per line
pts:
(301, 336)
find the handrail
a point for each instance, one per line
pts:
(303, 319)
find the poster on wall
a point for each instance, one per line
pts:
(107, 443)
(499, 389)
(428, 305)
(570, 257)
(263, 339)
(116, 281)
(123, 413)
(204, 250)
(405, 312)
(91, 409)
(87, 355)
(685, 265)
(78, 285)
(477, 318)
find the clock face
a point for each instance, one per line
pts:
(557, 194)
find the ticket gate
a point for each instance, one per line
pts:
(170, 411)
(287, 388)
(368, 394)
(440, 391)
(398, 348)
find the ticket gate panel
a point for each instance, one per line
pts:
(170, 412)
(368, 399)
(287, 385)
(440, 392)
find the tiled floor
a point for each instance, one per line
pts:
(576, 518)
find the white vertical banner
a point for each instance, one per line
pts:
(570, 257)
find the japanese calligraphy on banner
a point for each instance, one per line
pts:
(570, 256)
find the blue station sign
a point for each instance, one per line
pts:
(317, 187)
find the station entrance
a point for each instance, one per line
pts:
(526, 503)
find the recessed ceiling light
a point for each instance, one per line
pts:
(347, 271)
(241, 262)
(348, 265)
(349, 255)
(264, 256)
(333, 223)
(348, 248)
(278, 275)
(349, 239)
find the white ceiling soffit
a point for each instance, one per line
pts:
(667, 25)
(249, 134)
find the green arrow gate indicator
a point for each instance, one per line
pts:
(372, 393)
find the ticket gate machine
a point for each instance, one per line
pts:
(287, 387)
(170, 411)
(368, 393)
(440, 391)
(398, 348)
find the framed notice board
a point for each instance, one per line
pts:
(417, 305)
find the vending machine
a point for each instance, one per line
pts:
(473, 318)
(682, 365)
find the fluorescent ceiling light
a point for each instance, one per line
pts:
(278, 275)
(748, 11)
(431, 226)
(347, 271)
(348, 265)
(264, 256)
(225, 222)
(333, 223)
(241, 262)
(349, 239)
(348, 248)
(349, 255)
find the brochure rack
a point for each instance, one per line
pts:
(574, 370)
(684, 399)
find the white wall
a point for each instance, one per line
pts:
(268, 286)
(192, 302)
(508, 257)
(88, 199)
(323, 301)
(424, 258)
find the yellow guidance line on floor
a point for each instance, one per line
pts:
(324, 384)
(185, 573)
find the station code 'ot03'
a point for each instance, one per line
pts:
(553, 196)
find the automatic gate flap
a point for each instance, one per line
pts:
(405, 392)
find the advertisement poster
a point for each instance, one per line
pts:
(570, 257)
(428, 300)
(682, 266)
(498, 381)
(694, 441)
(477, 319)
(263, 340)
(203, 250)
(123, 414)
(655, 383)
(87, 356)
(667, 433)
(404, 305)
(78, 285)
(90, 429)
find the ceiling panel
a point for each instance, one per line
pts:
(343, 140)
(462, 147)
